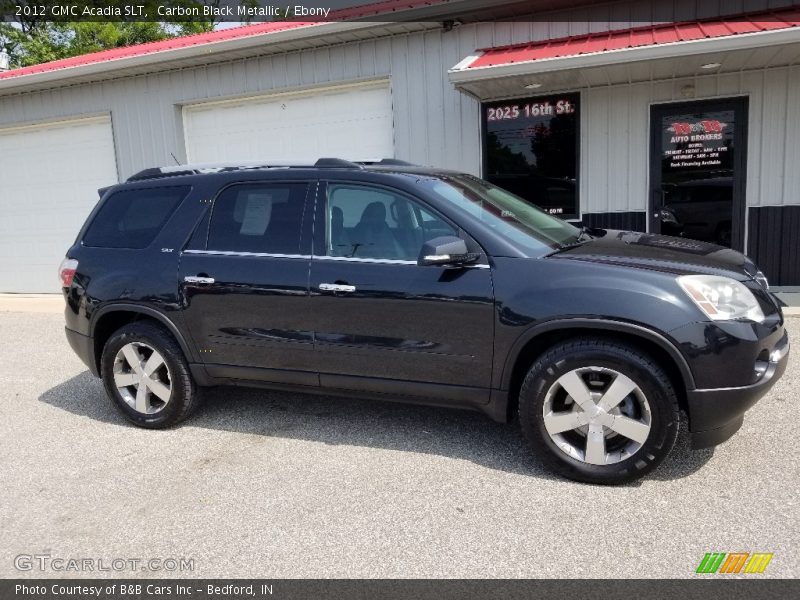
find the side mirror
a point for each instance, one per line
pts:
(446, 251)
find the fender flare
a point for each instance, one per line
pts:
(147, 311)
(602, 325)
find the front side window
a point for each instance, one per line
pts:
(264, 218)
(133, 218)
(366, 222)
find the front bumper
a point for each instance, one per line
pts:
(716, 414)
(83, 346)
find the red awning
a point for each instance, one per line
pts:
(623, 39)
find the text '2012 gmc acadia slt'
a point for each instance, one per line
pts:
(386, 280)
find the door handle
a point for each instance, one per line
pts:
(202, 280)
(336, 287)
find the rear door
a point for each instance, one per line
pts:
(244, 282)
(384, 324)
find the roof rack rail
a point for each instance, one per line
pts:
(199, 168)
(336, 163)
(388, 162)
(196, 169)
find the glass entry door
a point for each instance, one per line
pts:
(697, 170)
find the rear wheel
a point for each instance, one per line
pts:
(146, 375)
(599, 411)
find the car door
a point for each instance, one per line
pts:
(244, 283)
(381, 322)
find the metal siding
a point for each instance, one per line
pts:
(595, 140)
(619, 157)
(773, 242)
(755, 140)
(469, 111)
(773, 132)
(433, 115)
(417, 123)
(401, 93)
(791, 148)
(638, 157)
(790, 251)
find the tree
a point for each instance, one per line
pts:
(503, 159)
(32, 40)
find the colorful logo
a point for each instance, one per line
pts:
(734, 562)
(683, 128)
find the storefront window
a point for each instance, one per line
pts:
(531, 149)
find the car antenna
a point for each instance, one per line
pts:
(177, 162)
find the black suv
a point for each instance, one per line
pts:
(391, 281)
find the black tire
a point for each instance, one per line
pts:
(642, 370)
(183, 398)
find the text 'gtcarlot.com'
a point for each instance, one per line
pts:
(47, 562)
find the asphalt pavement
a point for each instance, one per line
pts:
(264, 484)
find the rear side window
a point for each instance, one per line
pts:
(264, 218)
(133, 218)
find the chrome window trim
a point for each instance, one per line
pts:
(382, 261)
(256, 254)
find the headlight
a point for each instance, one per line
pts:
(722, 298)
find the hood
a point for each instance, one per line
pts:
(662, 253)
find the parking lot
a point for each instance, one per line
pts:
(262, 484)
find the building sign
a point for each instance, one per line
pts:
(697, 144)
(531, 149)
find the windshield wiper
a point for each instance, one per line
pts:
(584, 236)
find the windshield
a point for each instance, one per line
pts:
(512, 217)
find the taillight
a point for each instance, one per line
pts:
(67, 271)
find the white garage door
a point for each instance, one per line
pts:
(352, 122)
(49, 177)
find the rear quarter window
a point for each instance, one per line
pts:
(133, 218)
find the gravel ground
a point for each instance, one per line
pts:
(262, 484)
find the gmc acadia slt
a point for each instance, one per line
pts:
(386, 280)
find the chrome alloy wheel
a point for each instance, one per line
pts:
(597, 415)
(142, 378)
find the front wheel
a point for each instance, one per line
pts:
(599, 411)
